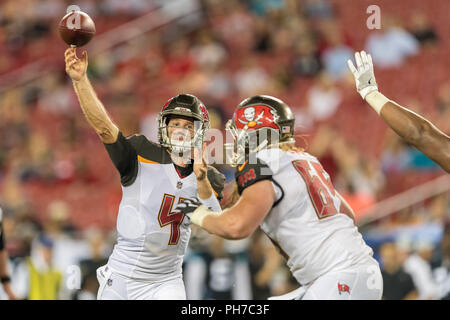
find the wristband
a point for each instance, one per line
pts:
(376, 100)
(199, 215)
(5, 279)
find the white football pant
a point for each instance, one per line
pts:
(363, 282)
(117, 287)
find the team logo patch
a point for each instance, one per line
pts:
(255, 117)
(342, 288)
(241, 167)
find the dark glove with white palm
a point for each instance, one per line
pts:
(189, 207)
(363, 73)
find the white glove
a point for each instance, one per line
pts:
(364, 75)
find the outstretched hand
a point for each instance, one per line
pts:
(363, 73)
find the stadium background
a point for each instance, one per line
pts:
(60, 191)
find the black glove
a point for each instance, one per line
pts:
(187, 207)
(217, 181)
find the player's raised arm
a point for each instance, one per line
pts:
(92, 107)
(419, 132)
(412, 127)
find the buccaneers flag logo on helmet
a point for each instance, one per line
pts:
(256, 117)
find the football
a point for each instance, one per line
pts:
(76, 28)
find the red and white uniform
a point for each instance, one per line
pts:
(151, 240)
(311, 229)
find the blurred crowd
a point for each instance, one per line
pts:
(59, 192)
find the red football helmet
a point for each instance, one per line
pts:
(259, 122)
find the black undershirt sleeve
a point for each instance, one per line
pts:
(124, 157)
(248, 174)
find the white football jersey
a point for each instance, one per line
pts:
(307, 223)
(151, 241)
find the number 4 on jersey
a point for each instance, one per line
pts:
(320, 189)
(165, 218)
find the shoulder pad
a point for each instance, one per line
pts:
(148, 151)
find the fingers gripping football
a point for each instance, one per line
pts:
(75, 67)
(363, 73)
